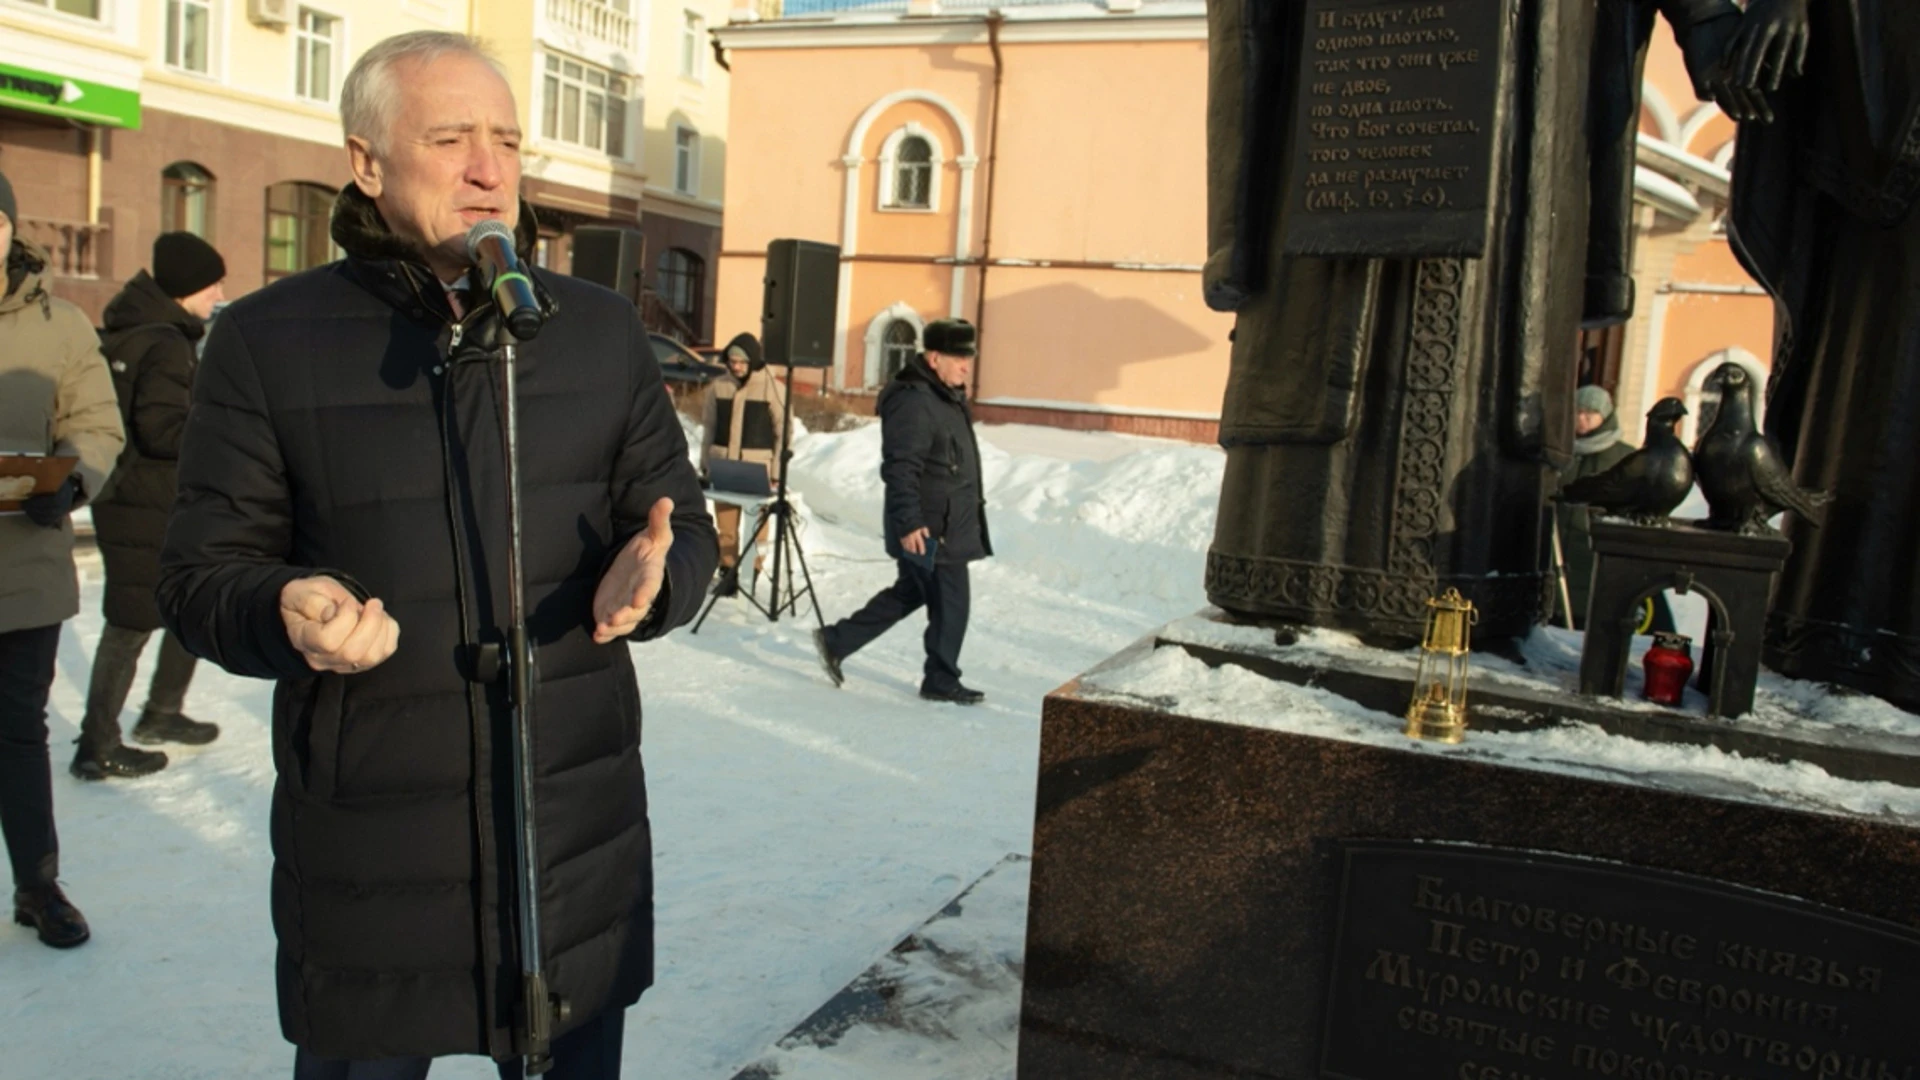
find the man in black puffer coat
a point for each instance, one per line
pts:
(341, 481)
(936, 514)
(153, 327)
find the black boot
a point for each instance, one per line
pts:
(827, 659)
(119, 760)
(47, 910)
(955, 694)
(155, 728)
(726, 582)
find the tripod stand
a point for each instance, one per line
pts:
(787, 552)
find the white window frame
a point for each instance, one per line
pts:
(632, 105)
(299, 38)
(105, 20)
(692, 186)
(889, 161)
(693, 53)
(876, 339)
(212, 8)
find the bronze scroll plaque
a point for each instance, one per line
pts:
(1392, 151)
(1459, 962)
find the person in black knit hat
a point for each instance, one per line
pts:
(151, 330)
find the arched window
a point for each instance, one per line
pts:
(910, 161)
(902, 341)
(913, 174)
(681, 283)
(186, 200)
(297, 237)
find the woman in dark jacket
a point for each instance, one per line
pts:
(152, 327)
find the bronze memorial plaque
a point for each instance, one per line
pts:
(1393, 153)
(1460, 962)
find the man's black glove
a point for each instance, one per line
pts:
(51, 509)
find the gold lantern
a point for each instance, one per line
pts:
(1439, 707)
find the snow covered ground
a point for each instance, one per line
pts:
(801, 831)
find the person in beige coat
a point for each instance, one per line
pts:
(745, 419)
(56, 397)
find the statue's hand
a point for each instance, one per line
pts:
(1707, 47)
(1771, 45)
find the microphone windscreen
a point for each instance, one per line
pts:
(489, 228)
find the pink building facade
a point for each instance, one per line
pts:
(1042, 171)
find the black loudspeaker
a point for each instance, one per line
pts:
(802, 303)
(611, 256)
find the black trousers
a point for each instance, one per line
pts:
(588, 1052)
(114, 663)
(944, 591)
(26, 777)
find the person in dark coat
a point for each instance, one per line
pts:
(936, 513)
(1597, 447)
(153, 328)
(341, 529)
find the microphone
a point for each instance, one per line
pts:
(490, 246)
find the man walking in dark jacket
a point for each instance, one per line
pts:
(343, 479)
(936, 514)
(153, 326)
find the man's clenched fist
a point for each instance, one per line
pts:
(334, 631)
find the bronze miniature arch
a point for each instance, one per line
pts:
(1735, 573)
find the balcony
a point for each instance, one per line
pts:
(598, 20)
(76, 247)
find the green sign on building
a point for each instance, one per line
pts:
(75, 99)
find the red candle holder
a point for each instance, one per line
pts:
(1668, 666)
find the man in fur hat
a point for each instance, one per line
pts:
(936, 515)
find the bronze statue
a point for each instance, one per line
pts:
(1622, 31)
(1823, 216)
(1391, 423)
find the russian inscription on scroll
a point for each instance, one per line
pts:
(1459, 962)
(1392, 151)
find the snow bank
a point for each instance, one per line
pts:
(1113, 519)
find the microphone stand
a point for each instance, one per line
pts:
(542, 1010)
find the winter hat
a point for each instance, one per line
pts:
(183, 264)
(7, 205)
(1593, 399)
(953, 337)
(748, 345)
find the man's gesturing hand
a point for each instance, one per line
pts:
(631, 584)
(332, 630)
(916, 541)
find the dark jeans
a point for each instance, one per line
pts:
(113, 668)
(588, 1052)
(943, 590)
(26, 778)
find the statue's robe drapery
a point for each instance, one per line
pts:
(1824, 216)
(1622, 31)
(1388, 422)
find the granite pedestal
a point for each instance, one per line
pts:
(1217, 899)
